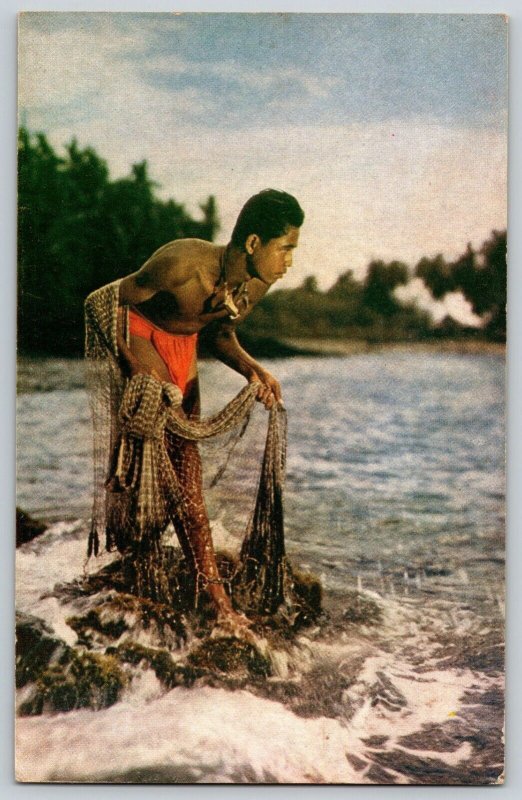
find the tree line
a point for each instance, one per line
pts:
(78, 230)
(369, 310)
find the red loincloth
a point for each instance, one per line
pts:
(178, 351)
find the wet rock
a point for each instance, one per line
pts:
(426, 771)
(484, 653)
(444, 738)
(55, 677)
(110, 577)
(302, 603)
(357, 763)
(36, 648)
(27, 528)
(379, 775)
(120, 633)
(309, 591)
(303, 608)
(76, 680)
(384, 692)
(322, 692)
(160, 661)
(375, 741)
(92, 622)
(231, 656)
(361, 609)
(116, 615)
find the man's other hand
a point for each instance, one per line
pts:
(269, 393)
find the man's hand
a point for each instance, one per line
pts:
(269, 393)
(225, 346)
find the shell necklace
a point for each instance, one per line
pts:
(235, 300)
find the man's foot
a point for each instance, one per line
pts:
(230, 628)
(226, 615)
(232, 623)
(230, 618)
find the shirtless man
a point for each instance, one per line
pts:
(185, 286)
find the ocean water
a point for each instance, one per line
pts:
(395, 488)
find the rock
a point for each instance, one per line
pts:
(115, 615)
(231, 656)
(361, 610)
(167, 671)
(77, 680)
(27, 528)
(36, 647)
(56, 677)
(308, 589)
(120, 634)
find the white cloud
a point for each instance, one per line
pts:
(58, 74)
(394, 190)
(85, 74)
(274, 78)
(89, 72)
(453, 304)
(241, 75)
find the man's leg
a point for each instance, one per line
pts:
(193, 527)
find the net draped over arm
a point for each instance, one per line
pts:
(136, 488)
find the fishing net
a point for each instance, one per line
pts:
(152, 461)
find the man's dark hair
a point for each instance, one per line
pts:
(269, 214)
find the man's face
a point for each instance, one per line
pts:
(271, 260)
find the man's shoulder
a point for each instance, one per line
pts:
(187, 249)
(181, 261)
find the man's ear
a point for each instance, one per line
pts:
(251, 243)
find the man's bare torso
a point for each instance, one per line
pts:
(180, 288)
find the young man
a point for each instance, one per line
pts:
(188, 285)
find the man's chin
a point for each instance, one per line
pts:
(253, 273)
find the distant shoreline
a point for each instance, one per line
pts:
(289, 347)
(337, 347)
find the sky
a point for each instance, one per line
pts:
(390, 129)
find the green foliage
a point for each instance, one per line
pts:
(349, 309)
(436, 274)
(78, 230)
(381, 280)
(368, 309)
(481, 277)
(310, 285)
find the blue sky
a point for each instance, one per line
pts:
(328, 68)
(390, 128)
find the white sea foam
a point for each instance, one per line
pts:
(209, 735)
(214, 735)
(57, 556)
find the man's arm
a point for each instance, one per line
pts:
(224, 344)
